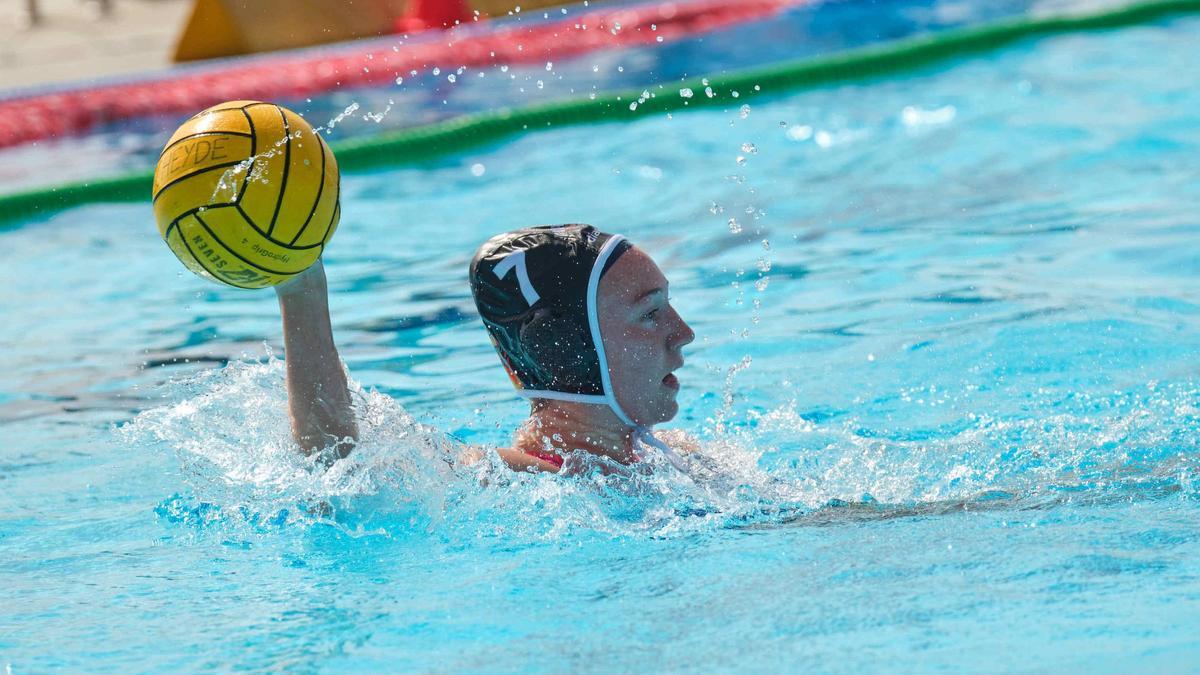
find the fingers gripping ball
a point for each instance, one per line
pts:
(247, 194)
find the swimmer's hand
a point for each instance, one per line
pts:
(318, 394)
(471, 455)
(680, 441)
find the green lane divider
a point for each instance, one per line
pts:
(419, 144)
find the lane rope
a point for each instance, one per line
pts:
(317, 71)
(421, 144)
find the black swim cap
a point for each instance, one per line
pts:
(535, 289)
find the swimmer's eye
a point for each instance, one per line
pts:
(649, 315)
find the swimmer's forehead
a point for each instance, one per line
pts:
(635, 279)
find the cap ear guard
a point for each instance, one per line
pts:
(557, 347)
(593, 303)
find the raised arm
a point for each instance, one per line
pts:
(318, 397)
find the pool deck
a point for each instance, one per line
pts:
(73, 42)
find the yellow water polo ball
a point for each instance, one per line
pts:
(247, 194)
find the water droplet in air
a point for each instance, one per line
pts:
(686, 93)
(741, 161)
(399, 80)
(437, 71)
(451, 78)
(478, 169)
(750, 148)
(549, 66)
(800, 133)
(744, 111)
(504, 69)
(734, 226)
(716, 208)
(541, 85)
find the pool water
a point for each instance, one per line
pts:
(945, 379)
(448, 89)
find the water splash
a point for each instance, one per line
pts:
(231, 434)
(337, 119)
(243, 476)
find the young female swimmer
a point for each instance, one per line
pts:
(582, 322)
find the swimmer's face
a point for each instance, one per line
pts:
(643, 338)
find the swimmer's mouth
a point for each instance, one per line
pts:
(670, 381)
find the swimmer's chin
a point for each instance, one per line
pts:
(671, 409)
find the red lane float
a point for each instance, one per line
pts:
(32, 118)
(432, 14)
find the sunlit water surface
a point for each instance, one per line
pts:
(447, 88)
(945, 379)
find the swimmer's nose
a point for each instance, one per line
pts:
(683, 334)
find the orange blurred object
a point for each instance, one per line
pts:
(218, 28)
(426, 14)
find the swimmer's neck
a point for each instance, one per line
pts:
(562, 426)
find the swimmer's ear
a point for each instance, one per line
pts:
(559, 348)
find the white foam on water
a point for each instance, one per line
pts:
(229, 429)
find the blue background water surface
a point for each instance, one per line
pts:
(945, 378)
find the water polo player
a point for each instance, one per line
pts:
(581, 320)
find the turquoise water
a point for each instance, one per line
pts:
(945, 377)
(447, 88)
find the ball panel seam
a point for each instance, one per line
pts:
(237, 255)
(317, 201)
(253, 154)
(195, 257)
(337, 212)
(287, 163)
(192, 175)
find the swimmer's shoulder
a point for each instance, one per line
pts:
(514, 458)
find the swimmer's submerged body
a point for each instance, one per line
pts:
(583, 325)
